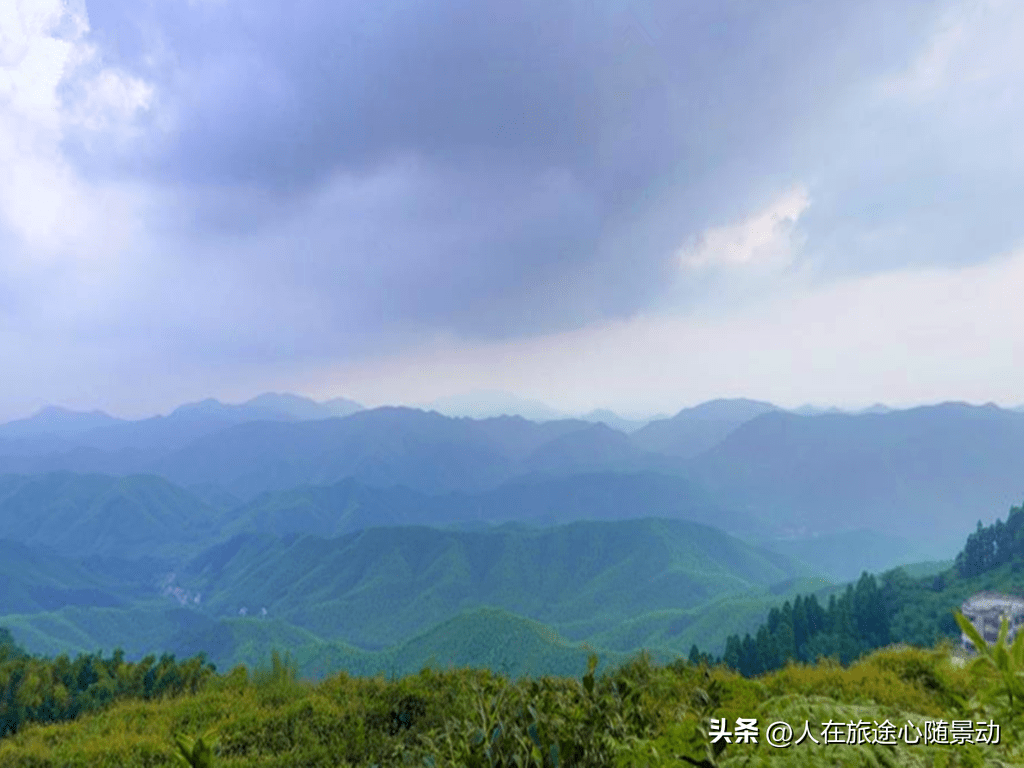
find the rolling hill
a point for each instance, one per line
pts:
(383, 447)
(36, 581)
(84, 515)
(371, 587)
(539, 499)
(927, 473)
(695, 430)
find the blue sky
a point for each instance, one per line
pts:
(640, 205)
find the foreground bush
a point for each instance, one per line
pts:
(639, 715)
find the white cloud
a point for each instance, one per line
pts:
(246, 278)
(765, 239)
(902, 337)
(974, 52)
(55, 215)
(111, 99)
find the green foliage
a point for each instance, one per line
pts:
(638, 714)
(279, 682)
(1001, 664)
(894, 607)
(8, 648)
(385, 584)
(36, 690)
(79, 515)
(197, 752)
(384, 598)
(853, 624)
(991, 546)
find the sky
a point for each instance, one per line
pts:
(638, 205)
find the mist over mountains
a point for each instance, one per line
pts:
(926, 472)
(368, 527)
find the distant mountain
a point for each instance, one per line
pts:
(516, 437)
(274, 405)
(737, 409)
(596, 447)
(694, 430)
(815, 410)
(69, 431)
(876, 408)
(340, 406)
(844, 555)
(926, 473)
(371, 587)
(613, 420)
(286, 406)
(382, 447)
(483, 404)
(34, 580)
(337, 509)
(48, 454)
(60, 422)
(349, 505)
(193, 421)
(608, 496)
(85, 515)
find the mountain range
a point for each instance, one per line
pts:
(359, 529)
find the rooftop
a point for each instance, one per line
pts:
(986, 601)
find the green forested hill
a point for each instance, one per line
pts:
(894, 607)
(540, 499)
(673, 582)
(33, 580)
(483, 637)
(380, 584)
(83, 515)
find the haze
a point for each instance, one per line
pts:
(634, 205)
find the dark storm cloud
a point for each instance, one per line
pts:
(490, 169)
(286, 94)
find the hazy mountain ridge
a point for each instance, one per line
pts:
(54, 420)
(928, 471)
(918, 473)
(376, 584)
(375, 589)
(817, 474)
(85, 515)
(62, 427)
(694, 430)
(34, 581)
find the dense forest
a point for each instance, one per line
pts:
(877, 612)
(39, 690)
(850, 625)
(638, 714)
(992, 546)
(634, 713)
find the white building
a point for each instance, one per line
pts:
(985, 610)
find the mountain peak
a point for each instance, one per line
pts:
(731, 409)
(55, 419)
(480, 404)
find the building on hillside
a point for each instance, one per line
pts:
(985, 610)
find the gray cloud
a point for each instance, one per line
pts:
(557, 154)
(317, 180)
